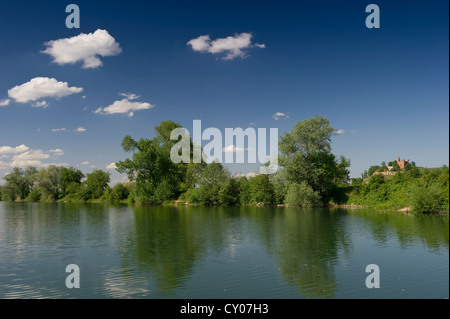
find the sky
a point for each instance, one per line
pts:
(68, 96)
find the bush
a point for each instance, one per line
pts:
(302, 195)
(118, 192)
(427, 199)
(33, 196)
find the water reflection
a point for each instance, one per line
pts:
(148, 252)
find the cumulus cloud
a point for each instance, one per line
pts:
(83, 47)
(233, 149)
(3, 165)
(85, 163)
(62, 129)
(41, 87)
(81, 129)
(111, 166)
(231, 47)
(280, 115)
(13, 150)
(130, 96)
(57, 152)
(339, 132)
(4, 102)
(42, 104)
(125, 106)
(23, 156)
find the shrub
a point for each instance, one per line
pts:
(302, 195)
(426, 199)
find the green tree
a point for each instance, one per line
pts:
(244, 191)
(372, 169)
(69, 177)
(96, 184)
(49, 181)
(119, 192)
(210, 184)
(365, 174)
(302, 195)
(229, 192)
(19, 182)
(280, 183)
(305, 154)
(396, 167)
(155, 176)
(261, 190)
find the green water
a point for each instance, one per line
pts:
(229, 252)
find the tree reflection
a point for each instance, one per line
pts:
(307, 244)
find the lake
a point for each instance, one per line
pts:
(219, 252)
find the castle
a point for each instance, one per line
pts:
(389, 172)
(402, 163)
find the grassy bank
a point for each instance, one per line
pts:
(424, 191)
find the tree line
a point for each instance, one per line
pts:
(60, 183)
(309, 174)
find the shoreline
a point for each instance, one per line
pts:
(404, 210)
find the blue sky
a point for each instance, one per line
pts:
(385, 90)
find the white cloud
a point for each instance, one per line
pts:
(31, 155)
(85, 163)
(83, 97)
(3, 165)
(83, 47)
(130, 96)
(4, 102)
(233, 149)
(339, 132)
(40, 87)
(23, 156)
(124, 106)
(231, 46)
(13, 150)
(57, 152)
(80, 129)
(111, 166)
(62, 129)
(280, 115)
(42, 104)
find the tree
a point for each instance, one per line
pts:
(342, 173)
(49, 181)
(210, 184)
(261, 190)
(96, 183)
(229, 192)
(19, 182)
(69, 177)
(280, 184)
(156, 177)
(372, 169)
(302, 195)
(119, 192)
(396, 167)
(305, 154)
(365, 175)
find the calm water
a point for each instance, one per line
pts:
(192, 252)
